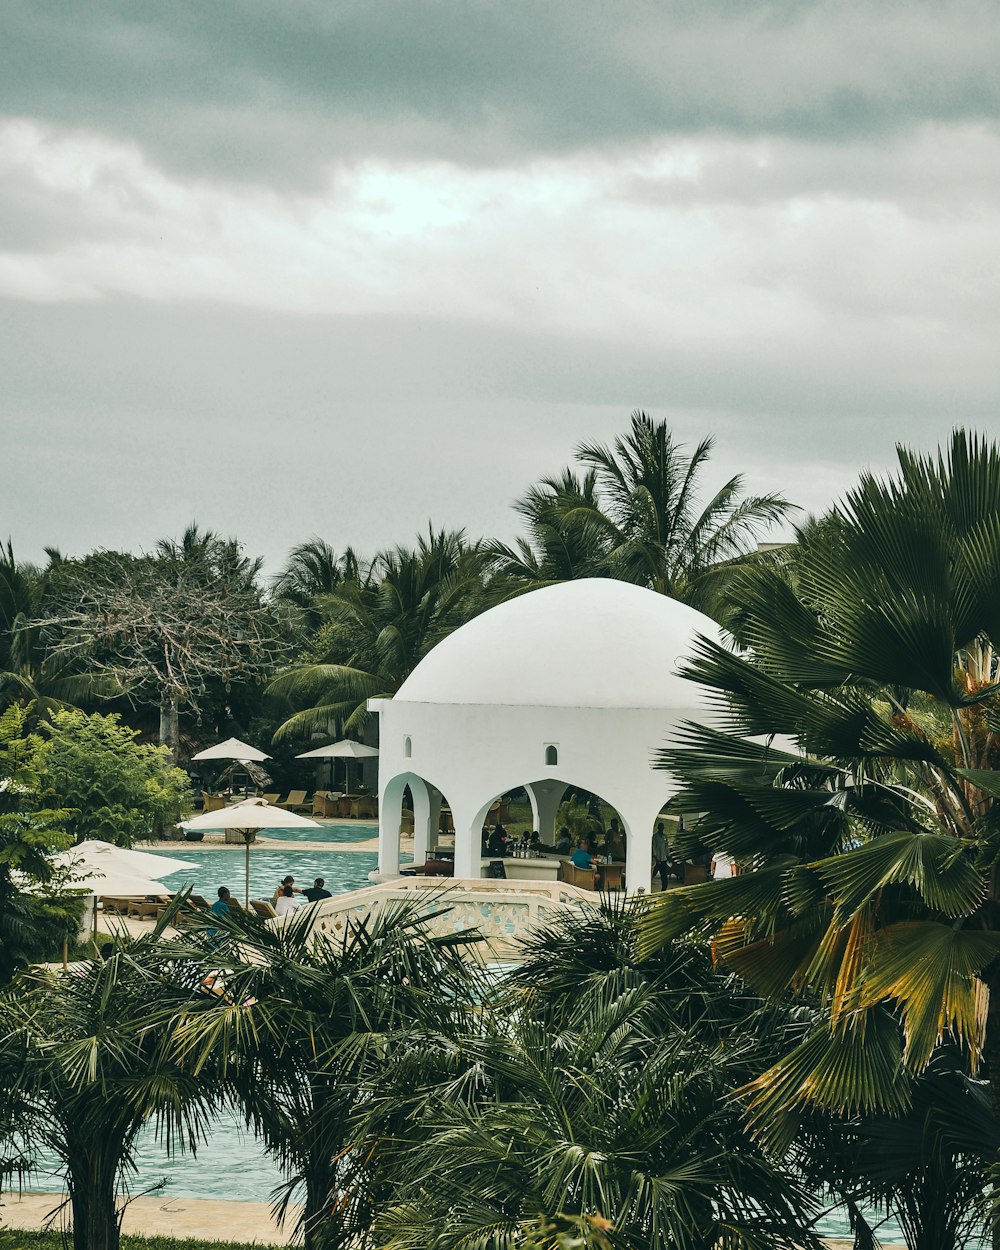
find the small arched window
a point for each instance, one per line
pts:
(551, 754)
(407, 747)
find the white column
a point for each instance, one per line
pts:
(421, 819)
(639, 824)
(390, 810)
(468, 839)
(545, 797)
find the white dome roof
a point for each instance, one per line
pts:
(594, 642)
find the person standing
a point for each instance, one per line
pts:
(661, 855)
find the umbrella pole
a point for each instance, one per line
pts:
(246, 896)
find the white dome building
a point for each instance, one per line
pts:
(571, 685)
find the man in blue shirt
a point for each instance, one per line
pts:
(221, 906)
(581, 856)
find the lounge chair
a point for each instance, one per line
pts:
(147, 910)
(295, 802)
(263, 908)
(115, 906)
(271, 799)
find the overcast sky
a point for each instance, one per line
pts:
(296, 267)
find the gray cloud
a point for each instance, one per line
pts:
(287, 88)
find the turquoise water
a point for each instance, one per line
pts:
(342, 871)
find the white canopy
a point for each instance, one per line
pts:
(346, 749)
(250, 814)
(105, 858)
(232, 749)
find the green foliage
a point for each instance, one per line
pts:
(31, 926)
(635, 514)
(87, 1059)
(114, 787)
(592, 1104)
(869, 837)
(378, 625)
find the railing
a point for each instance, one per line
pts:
(502, 911)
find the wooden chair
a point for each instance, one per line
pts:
(212, 802)
(572, 874)
(319, 800)
(364, 807)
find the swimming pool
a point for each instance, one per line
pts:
(342, 870)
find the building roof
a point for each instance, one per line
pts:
(594, 642)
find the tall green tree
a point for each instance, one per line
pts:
(378, 628)
(852, 773)
(31, 925)
(322, 1012)
(86, 1061)
(567, 536)
(597, 1094)
(110, 785)
(167, 629)
(660, 531)
(30, 672)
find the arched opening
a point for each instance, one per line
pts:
(551, 754)
(407, 747)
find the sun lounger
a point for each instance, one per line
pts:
(115, 906)
(147, 910)
(263, 908)
(271, 799)
(295, 802)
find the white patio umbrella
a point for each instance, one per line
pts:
(232, 749)
(101, 868)
(247, 817)
(105, 857)
(347, 749)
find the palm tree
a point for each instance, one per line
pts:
(86, 1062)
(567, 538)
(378, 628)
(323, 1012)
(30, 673)
(855, 781)
(597, 1093)
(659, 533)
(313, 571)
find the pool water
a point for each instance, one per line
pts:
(342, 871)
(330, 834)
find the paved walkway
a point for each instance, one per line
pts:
(163, 1216)
(203, 1218)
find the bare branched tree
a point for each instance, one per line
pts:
(162, 628)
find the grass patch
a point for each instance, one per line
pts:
(25, 1239)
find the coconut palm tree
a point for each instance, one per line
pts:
(313, 571)
(853, 776)
(86, 1062)
(567, 539)
(30, 673)
(378, 628)
(659, 532)
(597, 1094)
(322, 1013)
